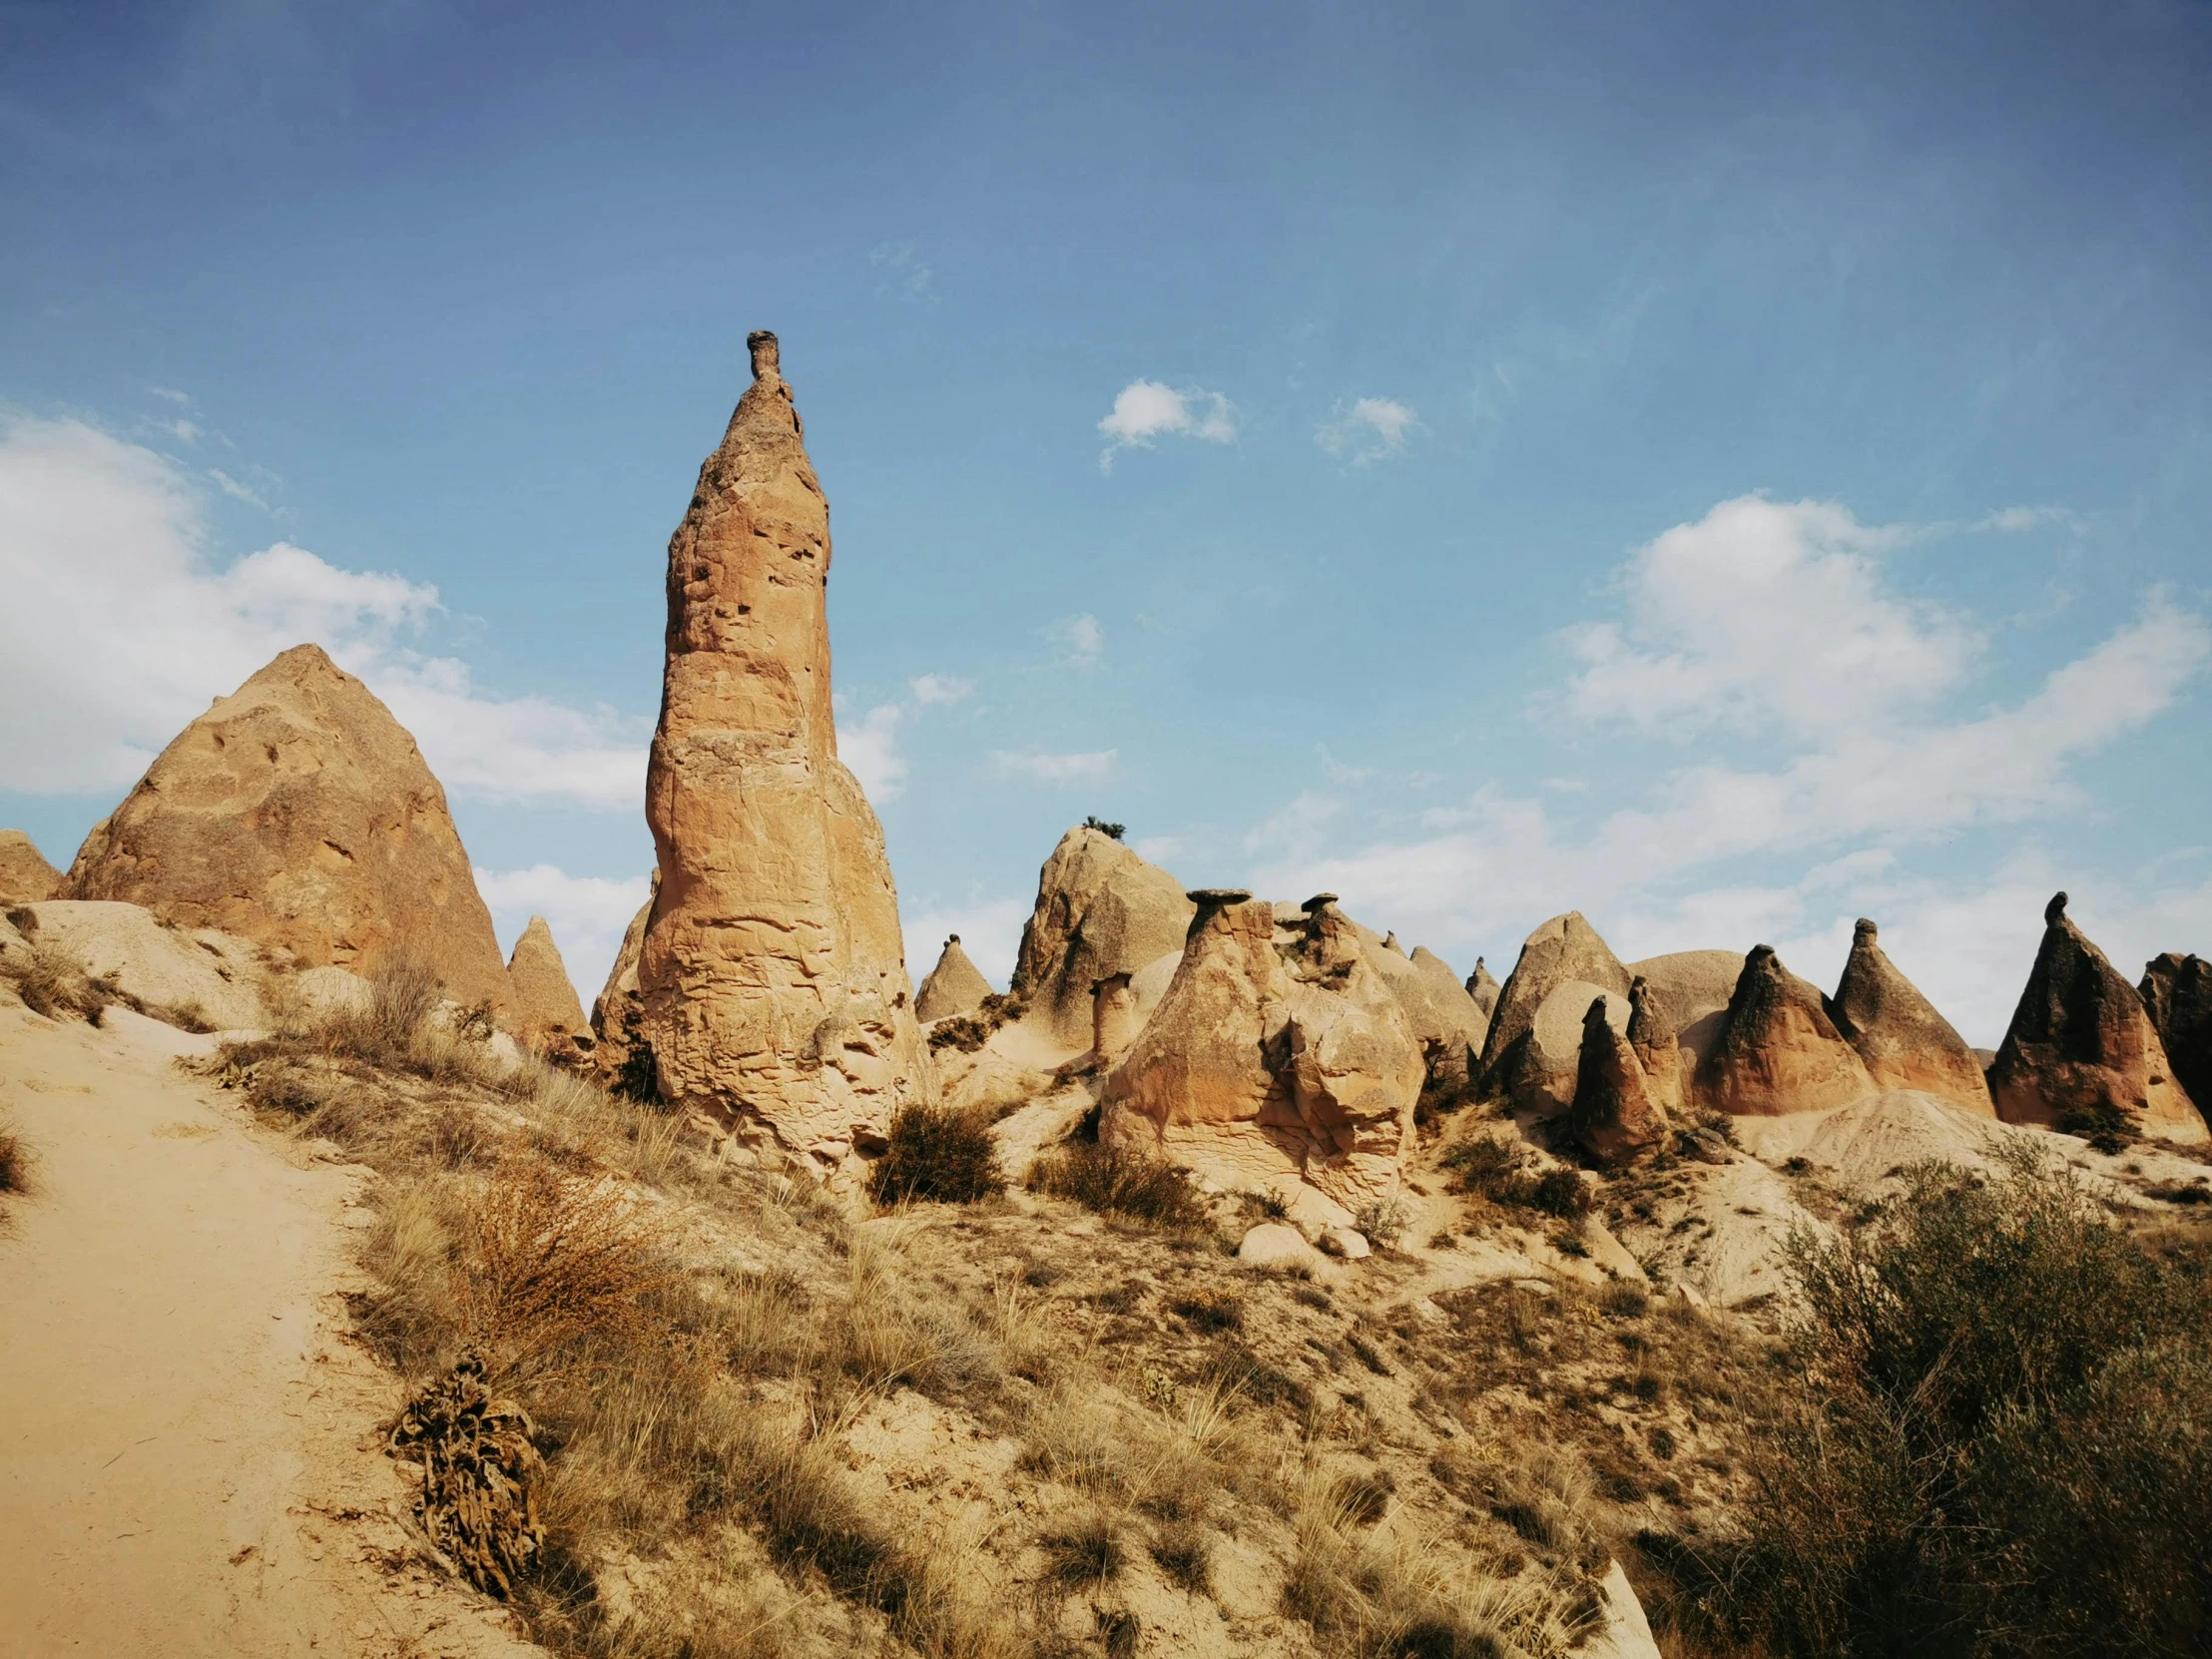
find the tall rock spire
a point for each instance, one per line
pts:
(772, 976)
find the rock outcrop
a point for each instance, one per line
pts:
(1658, 1053)
(2081, 1053)
(1445, 1021)
(1100, 909)
(954, 986)
(773, 976)
(1277, 1055)
(1904, 1041)
(1778, 1050)
(296, 813)
(548, 1015)
(1114, 1019)
(1481, 989)
(1692, 988)
(1543, 1070)
(1615, 1114)
(2177, 994)
(1565, 948)
(201, 979)
(618, 1012)
(25, 875)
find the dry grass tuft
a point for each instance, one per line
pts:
(15, 1160)
(1115, 1182)
(937, 1155)
(54, 986)
(1085, 1551)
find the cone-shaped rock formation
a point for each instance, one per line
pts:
(775, 987)
(954, 986)
(1277, 1052)
(25, 875)
(1540, 1075)
(2177, 993)
(296, 813)
(1482, 987)
(1651, 1036)
(1615, 1115)
(1443, 1018)
(1100, 909)
(1778, 1050)
(1904, 1041)
(548, 1016)
(2080, 1054)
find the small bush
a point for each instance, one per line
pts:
(1087, 1551)
(1561, 1193)
(15, 1162)
(969, 1032)
(1178, 1549)
(937, 1155)
(1117, 831)
(1384, 1222)
(1115, 1182)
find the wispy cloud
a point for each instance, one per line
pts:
(237, 491)
(932, 690)
(902, 272)
(1080, 768)
(1146, 410)
(1369, 430)
(170, 394)
(1082, 639)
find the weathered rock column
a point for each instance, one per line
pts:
(772, 980)
(1113, 1015)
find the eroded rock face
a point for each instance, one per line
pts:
(1562, 949)
(954, 986)
(1692, 988)
(203, 978)
(1658, 1053)
(296, 813)
(1778, 1050)
(548, 1014)
(1904, 1041)
(1481, 989)
(1114, 1018)
(618, 1012)
(773, 978)
(1277, 1055)
(1100, 909)
(1542, 1070)
(2177, 994)
(2081, 1052)
(25, 875)
(1615, 1114)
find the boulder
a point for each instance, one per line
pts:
(1278, 1054)
(1564, 949)
(1904, 1041)
(1276, 1244)
(1100, 909)
(1778, 1050)
(25, 875)
(2177, 994)
(296, 813)
(617, 1013)
(1692, 988)
(548, 1016)
(201, 979)
(772, 975)
(954, 986)
(1651, 1036)
(2081, 1053)
(1614, 1116)
(1482, 987)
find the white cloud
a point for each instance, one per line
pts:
(586, 912)
(933, 689)
(2014, 520)
(237, 491)
(871, 750)
(1148, 410)
(1159, 850)
(1084, 638)
(1078, 768)
(1372, 428)
(184, 431)
(904, 274)
(121, 627)
(171, 393)
(1761, 614)
(991, 934)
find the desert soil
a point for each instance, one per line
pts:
(191, 1440)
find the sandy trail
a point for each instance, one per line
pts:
(190, 1460)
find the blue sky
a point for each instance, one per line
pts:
(1726, 469)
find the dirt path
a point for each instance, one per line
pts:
(190, 1460)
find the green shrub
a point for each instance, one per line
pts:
(937, 1155)
(1115, 1182)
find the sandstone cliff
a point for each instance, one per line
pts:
(773, 977)
(25, 875)
(1904, 1041)
(954, 986)
(2177, 994)
(2081, 1052)
(299, 814)
(1100, 910)
(548, 1016)
(1778, 1050)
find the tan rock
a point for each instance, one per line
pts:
(1100, 909)
(1446, 1019)
(772, 975)
(1904, 1041)
(202, 978)
(25, 875)
(618, 1012)
(2082, 1052)
(954, 986)
(2177, 994)
(548, 1015)
(1542, 1070)
(1564, 949)
(1614, 1116)
(1114, 1019)
(1482, 987)
(1275, 1055)
(1651, 1034)
(1778, 1050)
(1275, 1244)
(1692, 988)
(296, 813)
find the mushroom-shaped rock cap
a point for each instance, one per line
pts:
(1864, 931)
(1215, 897)
(2055, 909)
(768, 354)
(1319, 902)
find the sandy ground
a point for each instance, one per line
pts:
(190, 1448)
